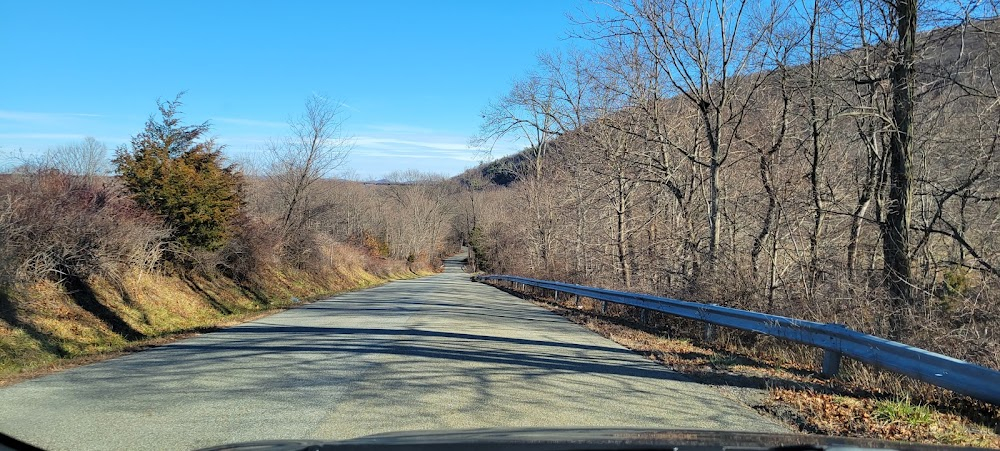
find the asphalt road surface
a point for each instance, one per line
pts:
(439, 352)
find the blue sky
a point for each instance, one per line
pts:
(413, 76)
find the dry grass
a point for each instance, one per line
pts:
(901, 420)
(30, 370)
(782, 380)
(44, 328)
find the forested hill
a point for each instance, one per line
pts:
(820, 179)
(950, 52)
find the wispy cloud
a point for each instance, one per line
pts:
(249, 122)
(365, 141)
(387, 147)
(348, 107)
(42, 136)
(243, 142)
(30, 116)
(421, 152)
(399, 128)
(418, 156)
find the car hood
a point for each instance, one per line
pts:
(582, 439)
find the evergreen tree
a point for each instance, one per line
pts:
(172, 170)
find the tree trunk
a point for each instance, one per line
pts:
(713, 212)
(897, 223)
(621, 237)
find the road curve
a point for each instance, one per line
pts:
(439, 352)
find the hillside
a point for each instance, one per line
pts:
(773, 191)
(777, 201)
(503, 171)
(943, 51)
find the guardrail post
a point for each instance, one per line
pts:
(604, 307)
(831, 362)
(555, 295)
(642, 316)
(710, 330)
(831, 357)
(578, 301)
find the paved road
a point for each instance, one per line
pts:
(433, 353)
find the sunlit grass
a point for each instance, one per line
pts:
(156, 306)
(902, 411)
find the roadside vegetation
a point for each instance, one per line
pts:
(783, 380)
(99, 256)
(830, 161)
(825, 160)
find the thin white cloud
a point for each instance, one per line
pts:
(392, 142)
(417, 156)
(250, 142)
(399, 128)
(349, 107)
(250, 122)
(29, 116)
(42, 136)
(414, 152)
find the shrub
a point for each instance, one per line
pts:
(376, 246)
(56, 226)
(172, 174)
(252, 251)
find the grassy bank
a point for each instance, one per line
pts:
(49, 324)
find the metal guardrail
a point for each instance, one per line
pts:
(836, 340)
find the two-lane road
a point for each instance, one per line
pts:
(439, 352)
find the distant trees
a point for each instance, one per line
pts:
(88, 158)
(527, 114)
(172, 170)
(417, 213)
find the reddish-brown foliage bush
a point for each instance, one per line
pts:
(56, 225)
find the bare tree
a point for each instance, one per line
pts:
(527, 113)
(88, 158)
(316, 148)
(707, 54)
(418, 211)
